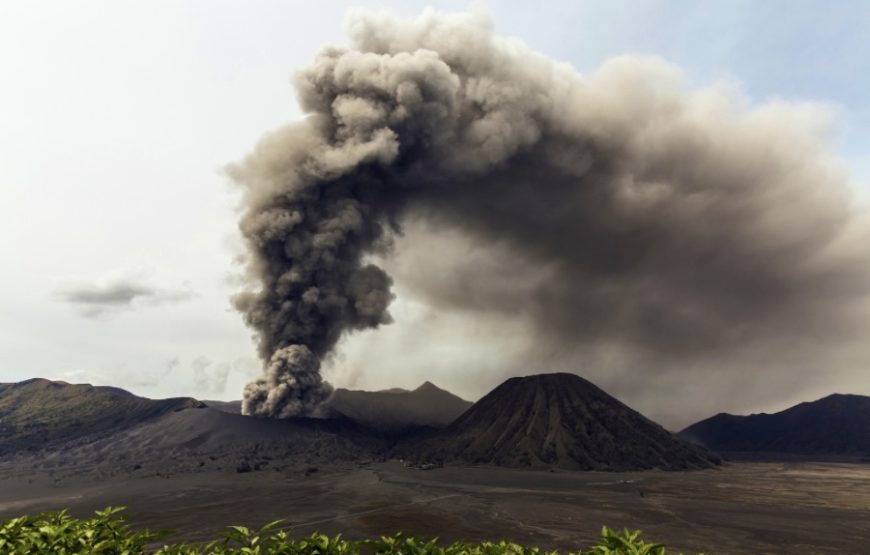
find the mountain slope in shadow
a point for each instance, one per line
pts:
(837, 425)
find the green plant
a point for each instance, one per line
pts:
(104, 534)
(626, 543)
(107, 533)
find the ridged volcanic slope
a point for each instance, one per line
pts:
(557, 420)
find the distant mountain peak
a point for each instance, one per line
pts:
(847, 397)
(397, 410)
(428, 386)
(549, 376)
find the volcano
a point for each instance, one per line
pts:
(556, 420)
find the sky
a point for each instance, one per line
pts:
(118, 223)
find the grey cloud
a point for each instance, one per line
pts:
(101, 299)
(631, 222)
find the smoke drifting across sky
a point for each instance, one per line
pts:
(632, 225)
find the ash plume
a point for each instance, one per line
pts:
(291, 385)
(623, 211)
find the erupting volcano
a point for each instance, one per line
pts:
(645, 224)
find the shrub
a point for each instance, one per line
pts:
(108, 534)
(104, 534)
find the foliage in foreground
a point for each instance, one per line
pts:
(108, 534)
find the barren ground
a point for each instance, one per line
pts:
(741, 508)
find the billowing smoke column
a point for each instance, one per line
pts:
(666, 222)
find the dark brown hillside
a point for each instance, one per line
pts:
(557, 420)
(38, 413)
(837, 425)
(82, 430)
(208, 439)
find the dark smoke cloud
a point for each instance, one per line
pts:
(97, 300)
(292, 385)
(620, 212)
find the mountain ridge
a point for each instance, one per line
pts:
(399, 411)
(393, 410)
(37, 413)
(540, 421)
(803, 429)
